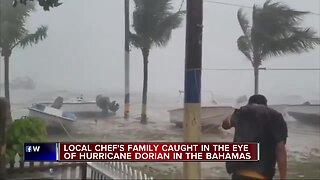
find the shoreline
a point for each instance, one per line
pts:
(303, 149)
(303, 142)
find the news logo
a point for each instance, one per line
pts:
(30, 149)
(40, 152)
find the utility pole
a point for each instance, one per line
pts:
(126, 61)
(192, 85)
(0, 47)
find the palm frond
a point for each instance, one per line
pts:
(298, 42)
(34, 38)
(13, 21)
(276, 31)
(153, 22)
(163, 29)
(283, 11)
(135, 40)
(11, 33)
(244, 45)
(276, 19)
(244, 22)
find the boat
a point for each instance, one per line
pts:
(212, 112)
(281, 108)
(211, 116)
(23, 83)
(101, 107)
(53, 117)
(73, 105)
(305, 113)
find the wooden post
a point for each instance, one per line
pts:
(126, 61)
(192, 88)
(3, 124)
(0, 68)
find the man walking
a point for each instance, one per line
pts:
(256, 122)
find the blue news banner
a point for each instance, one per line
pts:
(41, 151)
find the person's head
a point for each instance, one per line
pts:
(258, 99)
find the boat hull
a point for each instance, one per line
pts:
(51, 120)
(210, 116)
(305, 113)
(313, 119)
(309, 109)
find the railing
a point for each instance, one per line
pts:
(48, 170)
(73, 170)
(115, 170)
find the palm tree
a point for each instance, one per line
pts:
(46, 4)
(153, 22)
(13, 33)
(275, 31)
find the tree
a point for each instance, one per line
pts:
(24, 130)
(153, 22)
(275, 31)
(13, 33)
(46, 4)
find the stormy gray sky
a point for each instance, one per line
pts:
(84, 51)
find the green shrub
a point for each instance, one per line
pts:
(21, 131)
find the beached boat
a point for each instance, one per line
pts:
(210, 115)
(74, 105)
(306, 113)
(213, 115)
(212, 112)
(53, 117)
(101, 107)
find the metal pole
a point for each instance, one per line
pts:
(192, 86)
(126, 61)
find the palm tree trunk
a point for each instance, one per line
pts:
(256, 79)
(3, 125)
(6, 78)
(6, 85)
(145, 54)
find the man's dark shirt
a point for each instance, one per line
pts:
(258, 123)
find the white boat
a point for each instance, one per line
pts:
(210, 115)
(307, 113)
(53, 117)
(84, 109)
(76, 105)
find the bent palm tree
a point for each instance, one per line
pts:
(275, 31)
(46, 4)
(13, 33)
(153, 22)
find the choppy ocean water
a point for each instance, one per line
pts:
(300, 134)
